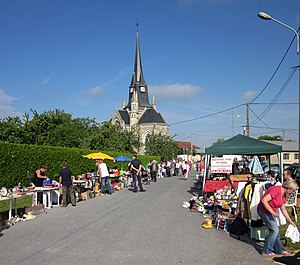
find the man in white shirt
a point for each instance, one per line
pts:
(104, 176)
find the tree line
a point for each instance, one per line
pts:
(57, 128)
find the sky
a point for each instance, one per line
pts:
(203, 60)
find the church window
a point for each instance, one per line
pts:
(142, 89)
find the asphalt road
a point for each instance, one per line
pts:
(125, 228)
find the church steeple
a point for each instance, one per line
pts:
(138, 83)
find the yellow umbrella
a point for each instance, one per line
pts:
(99, 155)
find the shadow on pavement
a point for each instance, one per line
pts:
(247, 240)
(5, 227)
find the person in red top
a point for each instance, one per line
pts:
(273, 199)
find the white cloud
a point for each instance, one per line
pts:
(95, 91)
(179, 92)
(6, 108)
(249, 94)
(87, 96)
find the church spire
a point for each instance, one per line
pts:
(153, 103)
(138, 83)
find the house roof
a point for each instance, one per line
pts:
(151, 116)
(187, 145)
(243, 145)
(286, 145)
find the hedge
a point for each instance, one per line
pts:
(17, 161)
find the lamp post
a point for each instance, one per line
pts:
(265, 16)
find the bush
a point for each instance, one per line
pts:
(17, 160)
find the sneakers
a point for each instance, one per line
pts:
(269, 255)
(142, 190)
(286, 253)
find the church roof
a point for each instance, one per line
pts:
(151, 116)
(125, 116)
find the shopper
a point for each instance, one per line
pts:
(66, 183)
(153, 170)
(104, 177)
(187, 169)
(287, 174)
(135, 168)
(272, 200)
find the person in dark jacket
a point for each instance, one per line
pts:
(136, 170)
(66, 183)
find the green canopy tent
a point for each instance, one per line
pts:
(241, 145)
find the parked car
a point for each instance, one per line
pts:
(295, 168)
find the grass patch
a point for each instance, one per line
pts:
(22, 202)
(291, 246)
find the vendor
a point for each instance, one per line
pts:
(39, 177)
(235, 167)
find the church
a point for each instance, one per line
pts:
(138, 114)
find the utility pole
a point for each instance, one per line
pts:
(247, 119)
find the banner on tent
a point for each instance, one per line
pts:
(221, 165)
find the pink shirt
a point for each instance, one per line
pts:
(277, 199)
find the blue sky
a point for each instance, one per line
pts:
(199, 57)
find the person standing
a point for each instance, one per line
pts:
(153, 170)
(104, 177)
(287, 174)
(177, 166)
(39, 177)
(187, 169)
(235, 167)
(135, 168)
(66, 183)
(274, 199)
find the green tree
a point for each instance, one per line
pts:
(12, 130)
(112, 137)
(57, 128)
(161, 145)
(219, 140)
(270, 138)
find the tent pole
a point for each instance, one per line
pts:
(207, 162)
(280, 156)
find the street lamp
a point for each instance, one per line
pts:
(265, 16)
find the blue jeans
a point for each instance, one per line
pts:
(272, 242)
(138, 179)
(105, 182)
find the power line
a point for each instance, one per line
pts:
(208, 115)
(279, 129)
(257, 117)
(222, 111)
(276, 103)
(276, 97)
(276, 70)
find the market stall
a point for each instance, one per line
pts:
(240, 145)
(222, 195)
